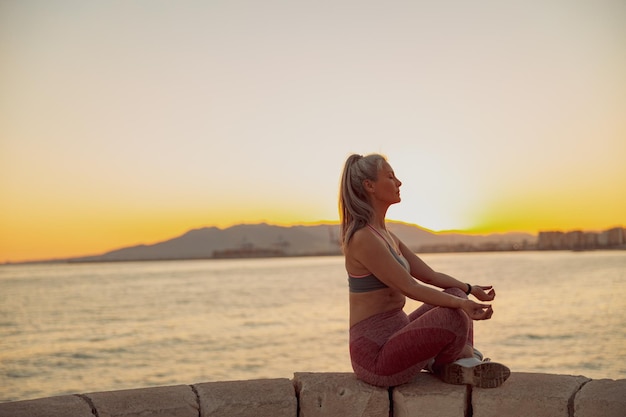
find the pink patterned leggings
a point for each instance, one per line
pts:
(390, 348)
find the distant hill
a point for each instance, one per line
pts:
(421, 240)
(206, 242)
(267, 240)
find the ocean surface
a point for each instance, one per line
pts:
(79, 328)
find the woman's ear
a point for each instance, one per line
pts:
(368, 185)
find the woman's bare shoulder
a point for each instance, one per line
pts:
(358, 249)
(362, 237)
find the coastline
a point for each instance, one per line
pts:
(267, 241)
(426, 250)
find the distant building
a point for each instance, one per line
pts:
(614, 237)
(550, 240)
(579, 240)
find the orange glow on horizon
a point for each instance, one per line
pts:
(71, 229)
(57, 241)
(62, 238)
(553, 211)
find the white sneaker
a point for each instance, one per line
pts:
(472, 371)
(429, 365)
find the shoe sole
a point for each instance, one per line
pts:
(484, 375)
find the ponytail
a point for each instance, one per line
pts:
(355, 210)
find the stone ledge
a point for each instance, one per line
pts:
(339, 395)
(537, 395)
(253, 398)
(602, 397)
(342, 395)
(428, 396)
(66, 405)
(174, 401)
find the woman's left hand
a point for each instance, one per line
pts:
(483, 293)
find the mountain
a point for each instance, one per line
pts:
(422, 240)
(267, 240)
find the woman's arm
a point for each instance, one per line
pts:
(370, 253)
(421, 271)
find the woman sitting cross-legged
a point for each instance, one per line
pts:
(387, 346)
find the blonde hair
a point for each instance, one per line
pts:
(355, 210)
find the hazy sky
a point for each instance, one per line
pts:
(126, 122)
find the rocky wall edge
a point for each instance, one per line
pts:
(311, 394)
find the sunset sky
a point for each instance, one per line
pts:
(127, 122)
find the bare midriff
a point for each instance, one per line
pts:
(365, 305)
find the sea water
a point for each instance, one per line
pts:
(77, 328)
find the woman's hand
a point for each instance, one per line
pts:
(477, 311)
(483, 293)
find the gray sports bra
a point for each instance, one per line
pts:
(369, 282)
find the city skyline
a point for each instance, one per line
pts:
(129, 123)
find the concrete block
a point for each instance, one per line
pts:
(175, 401)
(252, 398)
(427, 396)
(528, 394)
(62, 406)
(601, 398)
(340, 395)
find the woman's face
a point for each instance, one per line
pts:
(387, 186)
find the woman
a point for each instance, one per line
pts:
(387, 347)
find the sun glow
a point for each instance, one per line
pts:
(105, 144)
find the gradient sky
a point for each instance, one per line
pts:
(126, 122)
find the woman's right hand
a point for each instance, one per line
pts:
(477, 311)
